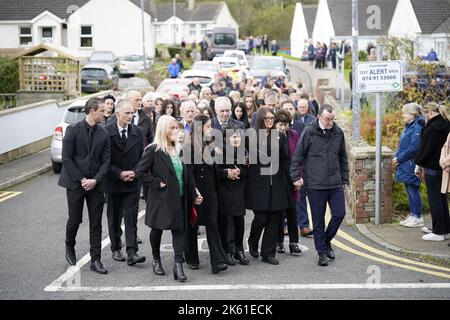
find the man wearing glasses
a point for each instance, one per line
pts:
(321, 151)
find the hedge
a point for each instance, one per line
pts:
(9, 75)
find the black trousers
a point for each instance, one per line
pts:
(178, 243)
(269, 221)
(291, 217)
(191, 245)
(75, 202)
(237, 237)
(216, 252)
(437, 202)
(123, 205)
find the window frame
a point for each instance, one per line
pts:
(86, 36)
(25, 35)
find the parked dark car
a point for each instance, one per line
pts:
(98, 77)
(104, 57)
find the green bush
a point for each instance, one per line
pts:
(400, 204)
(173, 51)
(9, 75)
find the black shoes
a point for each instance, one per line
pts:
(98, 267)
(323, 260)
(138, 240)
(230, 260)
(70, 255)
(294, 248)
(253, 249)
(240, 256)
(178, 273)
(219, 267)
(157, 268)
(330, 253)
(280, 247)
(193, 266)
(118, 256)
(271, 260)
(135, 258)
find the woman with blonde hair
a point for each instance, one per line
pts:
(404, 160)
(171, 190)
(433, 138)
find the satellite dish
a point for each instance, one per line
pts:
(72, 8)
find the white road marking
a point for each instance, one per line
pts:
(72, 271)
(319, 286)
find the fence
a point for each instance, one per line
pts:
(8, 100)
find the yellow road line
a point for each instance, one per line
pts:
(5, 195)
(345, 236)
(339, 244)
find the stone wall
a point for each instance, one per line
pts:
(360, 196)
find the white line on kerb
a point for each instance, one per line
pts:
(320, 286)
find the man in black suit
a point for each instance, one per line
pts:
(127, 146)
(222, 107)
(86, 158)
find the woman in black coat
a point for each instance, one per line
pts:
(268, 191)
(205, 173)
(433, 137)
(232, 176)
(171, 193)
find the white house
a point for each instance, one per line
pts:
(334, 20)
(190, 21)
(302, 28)
(80, 25)
(427, 23)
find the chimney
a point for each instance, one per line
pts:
(190, 4)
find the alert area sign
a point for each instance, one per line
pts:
(379, 76)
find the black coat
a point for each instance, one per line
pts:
(433, 137)
(123, 159)
(232, 192)
(323, 156)
(165, 210)
(79, 162)
(144, 122)
(216, 125)
(269, 192)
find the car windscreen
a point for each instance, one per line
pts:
(227, 39)
(203, 80)
(203, 66)
(101, 56)
(267, 64)
(94, 73)
(133, 58)
(74, 115)
(136, 82)
(227, 64)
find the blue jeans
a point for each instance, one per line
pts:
(415, 202)
(302, 213)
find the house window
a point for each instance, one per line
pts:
(203, 27)
(86, 37)
(47, 32)
(158, 30)
(25, 36)
(193, 30)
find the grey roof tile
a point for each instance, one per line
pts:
(310, 11)
(431, 14)
(203, 11)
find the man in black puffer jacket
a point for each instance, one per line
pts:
(321, 151)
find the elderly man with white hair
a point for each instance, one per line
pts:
(188, 110)
(223, 112)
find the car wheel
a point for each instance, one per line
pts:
(56, 166)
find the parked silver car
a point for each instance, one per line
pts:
(73, 114)
(132, 64)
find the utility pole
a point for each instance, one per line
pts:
(143, 36)
(355, 95)
(174, 23)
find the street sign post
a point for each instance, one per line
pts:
(379, 76)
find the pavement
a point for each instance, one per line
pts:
(390, 236)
